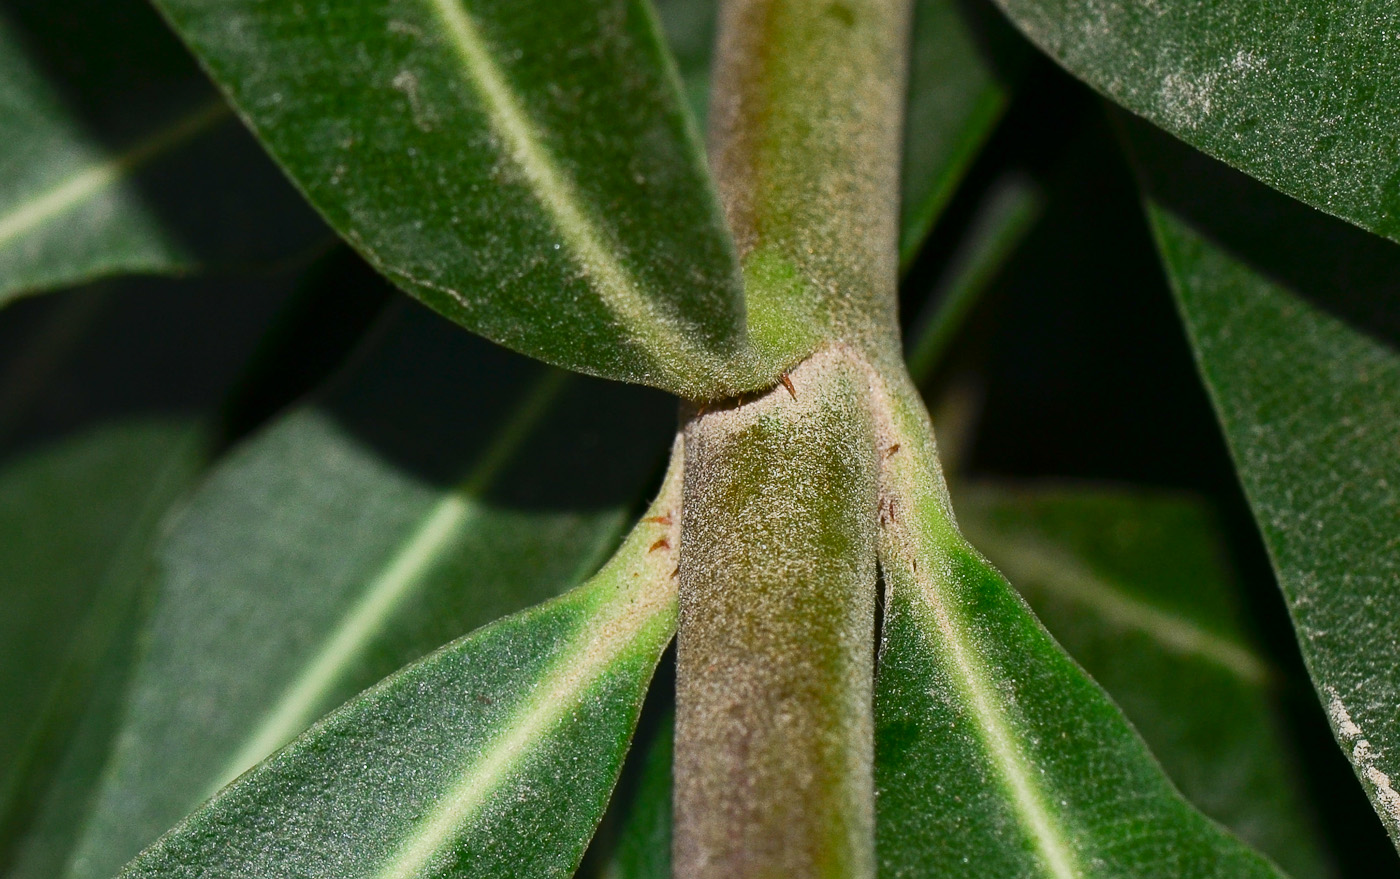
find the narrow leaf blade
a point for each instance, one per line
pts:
(125, 162)
(1292, 317)
(353, 536)
(514, 735)
(1134, 584)
(527, 169)
(996, 755)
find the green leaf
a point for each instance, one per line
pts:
(353, 536)
(493, 756)
(120, 158)
(996, 755)
(1300, 96)
(1136, 587)
(77, 517)
(528, 169)
(1293, 320)
(98, 445)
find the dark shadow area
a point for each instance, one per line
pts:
(1006, 52)
(432, 399)
(125, 349)
(123, 76)
(1342, 269)
(229, 353)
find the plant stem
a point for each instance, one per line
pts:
(805, 126)
(774, 748)
(777, 617)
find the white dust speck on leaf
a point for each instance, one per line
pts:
(1185, 99)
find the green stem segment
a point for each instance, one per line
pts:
(777, 615)
(805, 134)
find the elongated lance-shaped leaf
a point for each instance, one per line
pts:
(355, 535)
(119, 157)
(526, 168)
(996, 754)
(1293, 320)
(773, 738)
(963, 62)
(1134, 584)
(493, 756)
(95, 447)
(805, 130)
(1303, 97)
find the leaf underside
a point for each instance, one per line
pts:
(1134, 585)
(996, 755)
(352, 536)
(493, 756)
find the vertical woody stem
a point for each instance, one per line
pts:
(805, 142)
(777, 570)
(774, 738)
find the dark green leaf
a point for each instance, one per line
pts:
(98, 443)
(1136, 587)
(1295, 324)
(353, 536)
(996, 755)
(1303, 96)
(76, 521)
(526, 168)
(120, 158)
(493, 756)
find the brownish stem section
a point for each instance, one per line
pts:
(777, 582)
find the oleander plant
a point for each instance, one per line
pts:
(666, 576)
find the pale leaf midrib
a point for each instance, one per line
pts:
(588, 245)
(560, 690)
(991, 719)
(40, 208)
(436, 534)
(1037, 561)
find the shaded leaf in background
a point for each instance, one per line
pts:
(97, 444)
(354, 535)
(996, 755)
(527, 169)
(515, 736)
(963, 64)
(1295, 324)
(1135, 586)
(120, 158)
(1301, 96)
